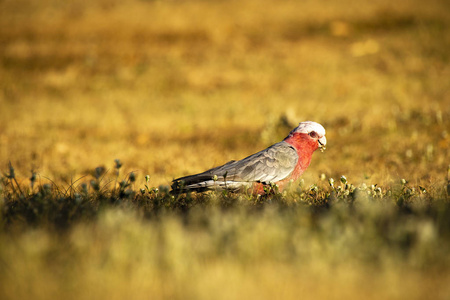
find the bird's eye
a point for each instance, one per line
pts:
(313, 134)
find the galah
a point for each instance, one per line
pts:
(279, 164)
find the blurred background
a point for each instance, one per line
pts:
(175, 87)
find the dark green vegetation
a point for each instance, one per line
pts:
(58, 208)
(110, 239)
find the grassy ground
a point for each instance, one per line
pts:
(174, 87)
(317, 242)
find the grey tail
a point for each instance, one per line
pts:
(194, 183)
(215, 178)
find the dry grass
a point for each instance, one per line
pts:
(175, 87)
(369, 251)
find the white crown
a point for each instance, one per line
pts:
(309, 126)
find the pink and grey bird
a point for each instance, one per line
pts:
(279, 164)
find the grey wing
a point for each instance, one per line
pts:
(270, 165)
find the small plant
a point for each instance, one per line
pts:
(32, 179)
(118, 165)
(12, 178)
(342, 192)
(148, 189)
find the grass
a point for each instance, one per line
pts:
(327, 240)
(175, 87)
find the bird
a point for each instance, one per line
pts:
(278, 165)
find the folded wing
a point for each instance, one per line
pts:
(267, 166)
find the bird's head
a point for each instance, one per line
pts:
(308, 133)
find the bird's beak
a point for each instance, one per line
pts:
(322, 143)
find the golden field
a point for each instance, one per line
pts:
(175, 87)
(172, 88)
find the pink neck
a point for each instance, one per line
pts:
(305, 146)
